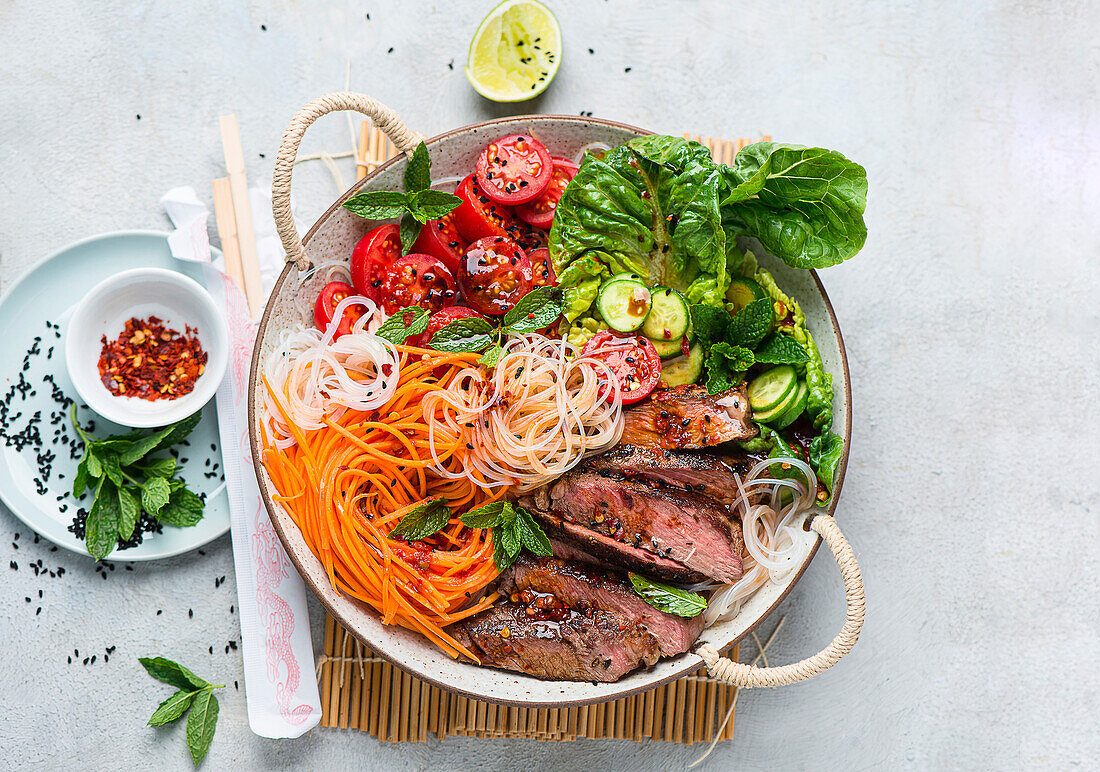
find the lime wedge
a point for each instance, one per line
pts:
(515, 51)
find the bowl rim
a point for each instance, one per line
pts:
(692, 661)
(215, 345)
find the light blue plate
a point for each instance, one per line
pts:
(47, 294)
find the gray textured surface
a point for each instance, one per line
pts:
(972, 496)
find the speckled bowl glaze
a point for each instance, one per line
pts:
(332, 237)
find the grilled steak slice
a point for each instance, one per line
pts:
(568, 621)
(577, 584)
(688, 417)
(706, 472)
(628, 523)
(591, 646)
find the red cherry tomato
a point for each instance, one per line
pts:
(441, 239)
(514, 169)
(374, 252)
(495, 275)
(441, 319)
(325, 308)
(542, 269)
(417, 280)
(633, 360)
(540, 211)
(479, 215)
(528, 237)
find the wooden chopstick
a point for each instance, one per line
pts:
(242, 211)
(374, 149)
(227, 230)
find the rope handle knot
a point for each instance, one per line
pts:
(749, 677)
(383, 117)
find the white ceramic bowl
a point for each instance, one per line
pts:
(144, 292)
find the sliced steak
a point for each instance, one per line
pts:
(568, 621)
(665, 532)
(577, 584)
(589, 646)
(707, 472)
(688, 417)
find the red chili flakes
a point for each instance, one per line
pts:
(150, 361)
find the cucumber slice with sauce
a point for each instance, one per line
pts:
(683, 370)
(771, 389)
(743, 290)
(668, 318)
(624, 304)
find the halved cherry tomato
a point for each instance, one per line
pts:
(633, 360)
(478, 215)
(441, 319)
(495, 275)
(540, 211)
(325, 307)
(374, 252)
(417, 280)
(514, 169)
(528, 237)
(542, 269)
(441, 239)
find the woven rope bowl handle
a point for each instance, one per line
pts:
(383, 117)
(748, 677)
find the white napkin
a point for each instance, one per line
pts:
(275, 637)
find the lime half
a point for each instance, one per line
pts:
(515, 51)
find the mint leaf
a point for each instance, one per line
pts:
(159, 467)
(172, 708)
(726, 365)
(378, 204)
(665, 597)
(101, 525)
(411, 320)
(709, 322)
(172, 673)
(531, 534)
(470, 334)
(111, 467)
(154, 495)
(749, 325)
(183, 509)
(81, 478)
(95, 467)
(410, 232)
(535, 310)
(491, 356)
(128, 512)
(432, 204)
(500, 555)
(201, 722)
(423, 520)
(781, 349)
(139, 448)
(418, 174)
(488, 515)
(180, 430)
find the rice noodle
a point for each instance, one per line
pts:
(539, 413)
(774, 543)
(326, 377)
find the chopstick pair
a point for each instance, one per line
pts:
(233, 213)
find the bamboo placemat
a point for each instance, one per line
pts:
(362, 691)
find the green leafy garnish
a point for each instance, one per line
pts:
(781, 350)
(535, 310)
(418, 204)
(665, 597)
(470, 334)
(125, 481)
(195, 696)
(423, 520)
(513, 530)
(411, 320)
(726, 365)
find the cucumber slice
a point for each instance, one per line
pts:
(669, 317)
(624, 276)
(682, 370)
(771, 388)
(788, 416)
(624, 304)
(666, 349)
(743, 290)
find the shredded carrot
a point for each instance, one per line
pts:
(348, 484)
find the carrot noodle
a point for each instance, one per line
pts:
(536, 416)
(347, 474)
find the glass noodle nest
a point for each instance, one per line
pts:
(358, 432)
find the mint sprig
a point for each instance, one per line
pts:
(125, 480)
(409, 321)
(416, 206)
(535, 310)
(514, 529)
(194, 696)
(423, 520)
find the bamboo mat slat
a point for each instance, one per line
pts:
(361, 691)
